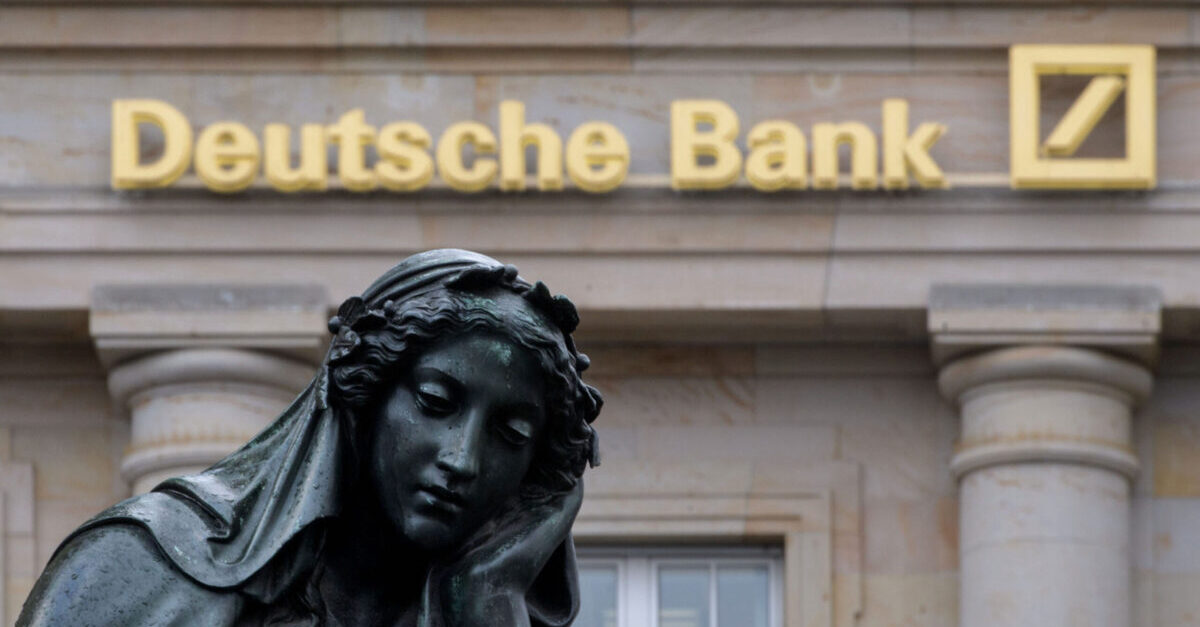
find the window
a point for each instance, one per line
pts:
(676, 587)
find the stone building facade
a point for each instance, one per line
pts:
(974, 406)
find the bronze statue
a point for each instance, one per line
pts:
(428, 476)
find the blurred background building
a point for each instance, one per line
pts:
(974, 406)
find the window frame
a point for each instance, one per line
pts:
(638, 568)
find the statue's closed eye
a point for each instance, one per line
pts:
(434, 399)
(517, 431)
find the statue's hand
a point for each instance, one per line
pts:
(485, 584)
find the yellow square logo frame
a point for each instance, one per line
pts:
(1038, 165)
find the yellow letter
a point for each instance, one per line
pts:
(313, 173)
(404, 165)
(778, 156)
(902, 152)
(597, 157)
(227, 157)
(688, 144)
(351, 134)
(449, 156)
(127, 171)
(515, 135)
(863, 154)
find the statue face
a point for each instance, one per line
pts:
(455, 438)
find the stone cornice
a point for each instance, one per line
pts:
(590, 25)
(967, 318)
(128, 321)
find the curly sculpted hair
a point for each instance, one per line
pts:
(372, 345)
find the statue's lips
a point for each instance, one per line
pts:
(443, 499)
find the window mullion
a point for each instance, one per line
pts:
(643, 583)
(712, 594)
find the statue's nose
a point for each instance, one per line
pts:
(462, 448)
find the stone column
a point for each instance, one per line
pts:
(1045, 459)
(201, 369)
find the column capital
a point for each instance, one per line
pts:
(1043, 404)
(1041, 363)
(202, 368)
(190, 407)
(194, 367)
(128, 321)
(969, 318)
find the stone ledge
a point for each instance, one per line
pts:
(129, 320)
(965, 318)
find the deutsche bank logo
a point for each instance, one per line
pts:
(1116, 71)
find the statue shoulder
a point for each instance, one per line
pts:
(115, 574)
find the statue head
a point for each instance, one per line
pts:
(462, 393)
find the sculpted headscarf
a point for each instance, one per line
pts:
(221, 527)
